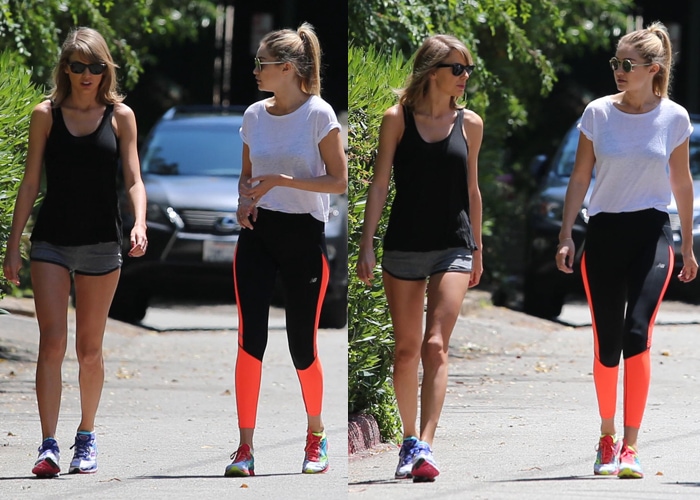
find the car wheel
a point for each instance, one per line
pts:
(129, 304)
(541, 297)
(334, 314)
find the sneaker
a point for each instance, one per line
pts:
(607, 462)
(408, 448)
(47, 463)
(243, 464)
(630, 467)
(85, 454)
(316, 457)
(424, 467)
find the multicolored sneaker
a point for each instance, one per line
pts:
(424, 467)
(316, 457)
(607, 462)
(408, 449)
(243, 464)
(85, 454)
(47, 463)
(630, 467)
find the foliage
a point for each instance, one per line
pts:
(518, 47)
(370, 340)
(17, 99)
(35, 29)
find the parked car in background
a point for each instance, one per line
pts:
(191, 163)
(544, 286)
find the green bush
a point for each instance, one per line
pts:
(372, 78)
(17, 99)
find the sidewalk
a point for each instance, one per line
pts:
(520, 418)
(167, 424)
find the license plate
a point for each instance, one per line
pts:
(218, 251)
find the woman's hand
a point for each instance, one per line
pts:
(690, 267)
(477, 268)
(247, 209)
(258, 186)
(139, 241)
(12, 265)
(366, 262)
(565, 255)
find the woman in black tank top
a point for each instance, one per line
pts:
(79, 134)
(433, 241)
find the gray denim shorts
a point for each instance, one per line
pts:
(91, 260)
(420, 265)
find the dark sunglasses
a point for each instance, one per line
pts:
(626, 64)
(78, 68)
(259, 64)
(458, 69)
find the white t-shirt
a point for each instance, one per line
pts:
(288, 145)
(632, 153)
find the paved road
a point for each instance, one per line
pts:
(166, 424)
(520, 419)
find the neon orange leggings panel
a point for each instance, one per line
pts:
(626, 267)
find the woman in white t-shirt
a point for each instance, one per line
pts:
(638, 142)
(292, 159)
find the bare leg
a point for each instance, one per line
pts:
(93, 296)
(51, 284)
(406, 299)
(445, 295)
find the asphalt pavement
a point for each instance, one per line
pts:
(167, 424)
(520, 418)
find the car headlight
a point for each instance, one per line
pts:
(169, 217)
(336, 226)
(551, 209)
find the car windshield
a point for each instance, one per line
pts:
(194, 151)
(566, 156)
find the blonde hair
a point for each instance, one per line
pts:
(654, 45)
(89, 44)
(302, 50)
(432, 52)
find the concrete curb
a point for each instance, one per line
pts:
(363, 433)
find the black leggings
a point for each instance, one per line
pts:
(627, 264)
(294, 245)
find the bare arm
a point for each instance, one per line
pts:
(682, 187)
(246, 204)
(575, 193)
(39, 128)
(389, 137)
(126, 131)
(474, 132)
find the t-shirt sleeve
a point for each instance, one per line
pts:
(682, 130)
(325, 122)
(244, 131)
(586, 123)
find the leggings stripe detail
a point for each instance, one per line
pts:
(584, 275)
(671, 259)
(248, 376)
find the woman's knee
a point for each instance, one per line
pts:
(434, 350)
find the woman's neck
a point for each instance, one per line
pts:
(638, 101)
(434, 105)
(288, 100)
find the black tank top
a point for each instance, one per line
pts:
(431, 206)
(80, 206)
